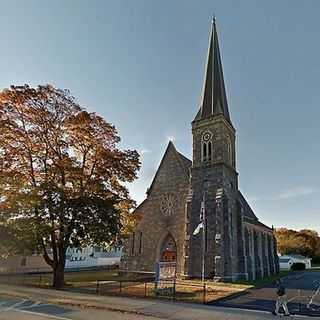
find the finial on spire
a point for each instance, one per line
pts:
(213, 19)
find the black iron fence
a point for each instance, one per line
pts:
(45, 270)
(27, 279)
(303, 292)
(167, 289)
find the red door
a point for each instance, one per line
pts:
(168, 256)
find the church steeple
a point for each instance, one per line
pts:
(213, 99)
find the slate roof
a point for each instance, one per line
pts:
(213, 99)
(185, 160)
(248, 212)
(256, 222)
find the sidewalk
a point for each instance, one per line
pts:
(149, 307)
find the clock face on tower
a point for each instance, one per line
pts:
(207, 136)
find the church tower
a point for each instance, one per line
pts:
(213, 132)
(214, 180)
(194, 216)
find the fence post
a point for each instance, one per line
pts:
(120, 286)
(174, 289)
(204, 293)
(145, 289)
(98, 287)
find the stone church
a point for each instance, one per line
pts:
(233, 242)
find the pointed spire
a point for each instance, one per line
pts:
(213, 100)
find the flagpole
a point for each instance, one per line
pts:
(203, 236)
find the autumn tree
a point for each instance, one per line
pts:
(305, 242)
(62, 174)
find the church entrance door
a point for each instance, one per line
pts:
(168, 250)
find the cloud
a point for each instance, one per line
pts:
(295, 192)
(144, 151)
(290, 193)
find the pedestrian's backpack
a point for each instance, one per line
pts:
(281, 291)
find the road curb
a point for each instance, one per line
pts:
(75, 303)
(83, 303)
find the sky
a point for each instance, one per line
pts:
(140, 64)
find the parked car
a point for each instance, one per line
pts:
(294, 262)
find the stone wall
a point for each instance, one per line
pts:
(236, 246)
(261, 261)
(168, 190)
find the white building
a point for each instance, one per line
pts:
(90, 257)
(287, 261)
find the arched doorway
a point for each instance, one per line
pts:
(168, 250)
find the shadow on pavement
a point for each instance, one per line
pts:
(303, 292)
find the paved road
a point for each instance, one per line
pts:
(23, 309)
(45, 304)
(303, 290)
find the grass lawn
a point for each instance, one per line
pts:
(186, 290)
(94, 275)
(91, 276)
(71, 278)
(86, 281)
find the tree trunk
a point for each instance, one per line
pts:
(58, 276)
(58, 270)
(57, 261)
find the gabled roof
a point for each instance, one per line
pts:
(184, 162)
(213, 99)
(187, 162)
(256, 223)
(248, 213)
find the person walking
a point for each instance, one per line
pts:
(282, 299)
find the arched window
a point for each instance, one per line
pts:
(206, 149)
(209, 150)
